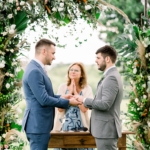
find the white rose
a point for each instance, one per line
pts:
(134, 70)
(146, 55)
(54, 9)
(2, 65)
(10, 16)
(19, 110)
(18, 69)
(19, 122)
(77, 14)
(4, 33)
(87, 7)
(12, 50)
(16, 116)
(136, 100)
(61, 4)
(144, 96)
(13, 26)
(11, 137)
(11, 1)
(60, 9)
(22, 3)
(11, 31)
(144, 85)
(7, 85)
(11, 75)
(4, 135)
(18, 45)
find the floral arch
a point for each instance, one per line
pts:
(16, 15)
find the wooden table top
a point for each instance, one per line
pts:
(56, 132)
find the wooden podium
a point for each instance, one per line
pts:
(80, 140)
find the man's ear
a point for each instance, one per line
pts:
(107, 59)
(43, 51)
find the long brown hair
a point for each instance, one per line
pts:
(83, 79)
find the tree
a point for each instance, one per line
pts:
(114, 22)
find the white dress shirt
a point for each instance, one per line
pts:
(41, 64)
(103, 75)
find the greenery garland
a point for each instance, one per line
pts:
(15, 16)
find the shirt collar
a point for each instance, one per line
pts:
(108, 69)
(39, 62)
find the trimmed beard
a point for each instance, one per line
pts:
(102, 66)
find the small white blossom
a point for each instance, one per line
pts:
(146, 55)
(11, 137)
(18, 69)
(19, 122)
(61, 4)
(60, 9)
(11, 1)
(16, 116)
(4, 33)
(129, 62)
(148, 77)
(13, 26)
(54, 9)
(19, 110)
(136, 100)
(11, 75)
(18, 45)
(144, 96)
(12, 50)
(144, 85)
(4, 135)
(138, 108)
(149, 124)
(11, 31)
(7, 85)
(77, 14)
(22, 3)
(87, 7)
(10, 16)
(134, 70)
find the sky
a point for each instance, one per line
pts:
(84, 53)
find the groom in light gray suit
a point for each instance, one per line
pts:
(105, 121)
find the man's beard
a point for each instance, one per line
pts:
(102, 66)
(47, 60)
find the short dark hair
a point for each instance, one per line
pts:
(108, 51)
(43, 42)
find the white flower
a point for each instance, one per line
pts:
(11, 1)
(22, 3)
(138, 108)
(149, 124)
(12, 50)
(11, 137)
(148, 77)
(60, 9)
(54, 9)
(13, 26)
(62, 22)
(18, 69)
(7, 85)
(7, 74)
(4, 135)
(87, 7)
(146, 55)
(77, 14)
(19, 110)
(11, 75)
(18, 45)
(3, 53)
(11, 31)
(19, 122)
(4, 33)
(144, 96)
(61, 4)
(16, 116)
(134, 70)
(144, 85)
(10, 16)
(129, 62)
(136, 100)
(2, 64)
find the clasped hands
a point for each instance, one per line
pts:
(74, 100)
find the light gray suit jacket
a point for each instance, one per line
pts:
(105, 117)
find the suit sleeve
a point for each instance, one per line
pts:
(109, 92)
(36, 84)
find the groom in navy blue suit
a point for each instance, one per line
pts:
(40, 99)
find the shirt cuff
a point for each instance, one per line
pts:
(84, 100)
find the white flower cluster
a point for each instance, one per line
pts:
(3, 53)
(2, 64)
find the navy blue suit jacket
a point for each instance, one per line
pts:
(40, 100)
